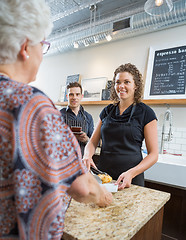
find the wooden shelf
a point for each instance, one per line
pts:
(86, 103)
(165, 101)
(148, 102)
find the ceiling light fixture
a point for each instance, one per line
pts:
(158, 2)
(76, 45)
(158, 7)
(108, 37)
(86, 43)
(96, 40)
(93, 9)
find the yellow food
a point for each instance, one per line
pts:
(105, 178)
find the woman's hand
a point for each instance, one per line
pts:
(124, 180)
(88, 161)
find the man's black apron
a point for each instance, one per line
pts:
(73, 121)
(120, 151)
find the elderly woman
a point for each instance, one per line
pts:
(40, 159)
(122, 127)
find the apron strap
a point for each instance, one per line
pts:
(132, 112)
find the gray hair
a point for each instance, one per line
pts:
(21, 20)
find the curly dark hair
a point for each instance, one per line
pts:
(137, 76)
(74, 84)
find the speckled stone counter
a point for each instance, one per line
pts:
(132, 208)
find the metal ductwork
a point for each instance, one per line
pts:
(143, 22)
(119, 26)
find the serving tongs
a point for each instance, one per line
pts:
(111, 187)
(97, 171)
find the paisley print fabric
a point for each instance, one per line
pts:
(8, 216)
(28, 190)
(14, 94)
(39, 160)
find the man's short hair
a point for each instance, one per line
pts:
(74, 84)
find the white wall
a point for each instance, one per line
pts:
(102, 60)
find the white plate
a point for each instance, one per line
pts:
(111, 187)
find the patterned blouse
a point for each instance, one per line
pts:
(39, 160)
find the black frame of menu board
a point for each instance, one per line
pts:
(166, 72)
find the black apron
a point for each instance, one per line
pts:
(120, 151)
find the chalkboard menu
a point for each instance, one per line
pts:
(168, 72)
(71, 78)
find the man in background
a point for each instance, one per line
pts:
(75, 115)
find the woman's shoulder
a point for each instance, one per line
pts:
(38, 93)
(106, 110)
(143, 106)
(146, 111)
(110, 106)
(21, 95)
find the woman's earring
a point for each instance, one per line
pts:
(27, 56)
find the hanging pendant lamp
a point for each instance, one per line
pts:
(158, 7)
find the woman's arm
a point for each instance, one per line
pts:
(151, 140)
(90, 148)
(86, 189)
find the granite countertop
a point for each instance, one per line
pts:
(131, 209)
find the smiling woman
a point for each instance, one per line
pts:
(122, 127)
(124, 87)
(130, 70)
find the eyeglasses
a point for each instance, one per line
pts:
(45, 46)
